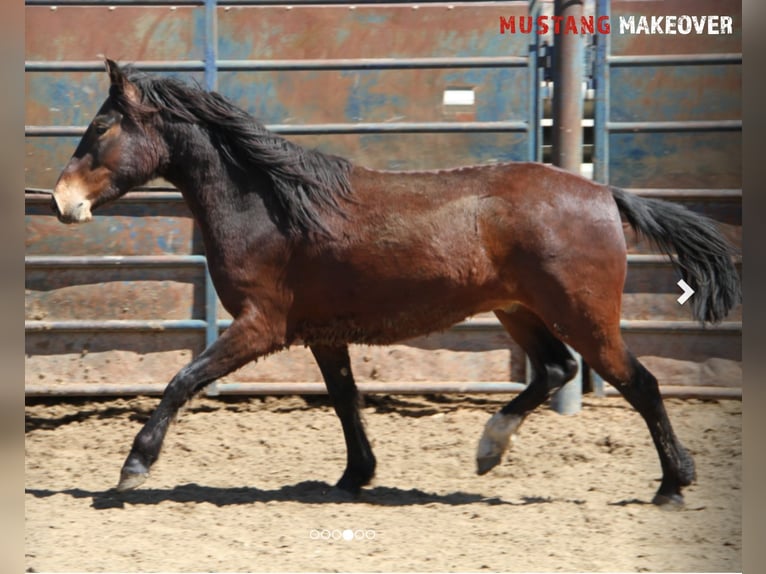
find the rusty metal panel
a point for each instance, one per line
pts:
(377, 95)
(676, 93)
(71, 98)
(124, 227)
(676, 160)
(84, 293)
(58, 358)
(131, 33)
(697, 347)
(368, 31)
(44, 158)
(326, 32)
(434, 151)
(679, 80)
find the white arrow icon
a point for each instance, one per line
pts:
(687, 291)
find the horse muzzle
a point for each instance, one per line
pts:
(70, 205)
(75, 213)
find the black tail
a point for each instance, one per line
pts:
(698, 249)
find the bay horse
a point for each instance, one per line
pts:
(304, 247)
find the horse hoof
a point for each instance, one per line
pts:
(130, 480)
(337, 494)
(486, 463)
(669, 501)
(349, 486)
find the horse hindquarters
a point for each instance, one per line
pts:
(568, 270)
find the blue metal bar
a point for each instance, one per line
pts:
(374, 64)
(296, 3)
(211, 45)
(292, 3)
(98, 65)
(601, 104)
(401, 127)
(534, 134)
(335, 128)
(628, 325)
(673, 59)
(54, 131)
(210, 63)
(70, 261)
(61, 261)
(675, 126)
(211, 84)
(115, 325)
(367, 388)
(113, 3)
(292, 388)
(39, 195)
(696, 193)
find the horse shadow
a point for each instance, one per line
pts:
(307, 492)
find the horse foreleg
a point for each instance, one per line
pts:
(335, 365)
(238, 345)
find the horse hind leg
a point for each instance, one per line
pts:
(552, 364)
(594, 332)
(639, 387)
(335, 365)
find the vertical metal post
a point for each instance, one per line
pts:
(211, 83)
(211, 44)
(600, 131)
(567, 91)
(535, 127)
(601, 107)
(534, 120)
(567, 143)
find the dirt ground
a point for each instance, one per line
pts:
(244, 485)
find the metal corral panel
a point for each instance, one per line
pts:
(670, 104)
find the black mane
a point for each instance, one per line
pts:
(304, 181)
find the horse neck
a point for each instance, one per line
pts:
(220, 199)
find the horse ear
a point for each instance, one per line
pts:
(115, 74)
(120, 85)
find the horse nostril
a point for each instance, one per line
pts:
(55, 206)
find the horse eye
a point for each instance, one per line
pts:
(100, 129)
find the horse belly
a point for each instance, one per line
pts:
(382, 316)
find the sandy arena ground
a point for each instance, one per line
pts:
(242, 485)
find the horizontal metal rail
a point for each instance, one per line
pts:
(334, 128)
(42, 195)
(285, 4)
(633, 325)
(116, 325)
(178, 260)
(674, 59)
(671, 194)
(675, 126)
(69, 261)
(38, 195)
(471, 325)
(291, 65)
(368, 388)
